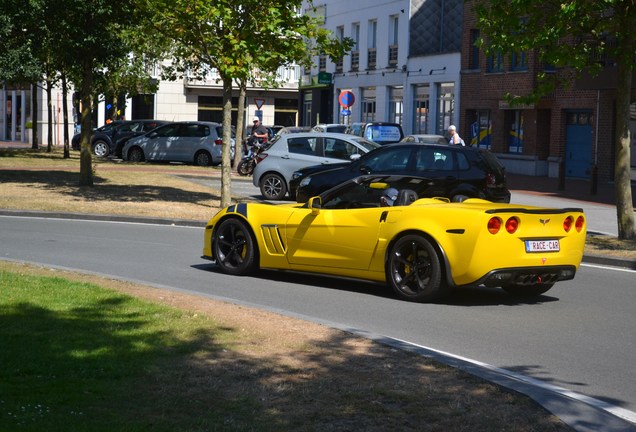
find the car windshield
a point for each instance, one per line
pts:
(368, 145)
(365, 192)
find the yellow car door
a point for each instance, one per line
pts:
(343, 238)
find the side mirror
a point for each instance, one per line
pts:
(355, 156)
(153, 135)
(314, 204)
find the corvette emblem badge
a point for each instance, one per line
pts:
(544, 221)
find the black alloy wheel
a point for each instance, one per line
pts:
(414, 270)
(234, 248)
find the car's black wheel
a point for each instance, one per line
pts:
(136, 154)
(527, 290)
(245, 167)
(202, 158)
(234, 248)
(273, 186)
(414, 270)
(101, 148)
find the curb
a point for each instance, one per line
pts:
(588, 259)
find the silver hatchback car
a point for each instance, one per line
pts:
(199, 143)
(290, 152)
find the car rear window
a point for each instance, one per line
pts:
(303, 145)
(492, 161)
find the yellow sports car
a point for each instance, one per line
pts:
(377, 228)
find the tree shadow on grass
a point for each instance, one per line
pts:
(111, 364)
(67, 183)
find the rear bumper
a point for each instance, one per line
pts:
(527, 276)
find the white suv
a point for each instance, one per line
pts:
(290, 152)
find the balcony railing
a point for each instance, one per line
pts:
(393, 55)
(286, 76)
(355, 60)
(322, 63)
(372, 58)
(339, 65)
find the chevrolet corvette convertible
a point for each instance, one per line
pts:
(377, 228)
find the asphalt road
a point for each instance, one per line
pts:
(578, 337)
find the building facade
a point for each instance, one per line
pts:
(180, 100)
(404, 66)
(569, 133)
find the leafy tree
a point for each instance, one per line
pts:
(574, 36)
(101, 50)
(235, 38)
(19, 47)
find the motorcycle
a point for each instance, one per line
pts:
(249, 161)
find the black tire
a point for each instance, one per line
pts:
(101, 149)
(414, 270)
(136, 154)
(202, 158)
(245, 167)
(234, 248)
(273, 187)
(527, 290)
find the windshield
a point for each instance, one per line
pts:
(368, 145)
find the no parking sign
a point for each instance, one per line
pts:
(346, 98)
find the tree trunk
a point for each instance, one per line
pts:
(49, 110)
(35, 143)
(622, 176)
(240, 123)
(65, 116)
(86, 161)
(226, 166)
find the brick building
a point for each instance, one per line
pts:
(570, 133)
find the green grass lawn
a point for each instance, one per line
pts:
(81, 353)
(77, 357)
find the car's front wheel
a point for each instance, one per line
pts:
(101, 148)
(202, 158)
(414, 270)
(273, 186)
(136, 154)
(234, 248)
(527, 290)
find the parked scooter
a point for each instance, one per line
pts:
(249, 161)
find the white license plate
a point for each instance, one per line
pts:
(542, 246)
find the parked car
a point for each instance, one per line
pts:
(425, 138)
(104, 139)
(139, 127)
(422, 248)
(288, 152)
(330, 127)
(199, 143)
(293, 129)
(455, 172)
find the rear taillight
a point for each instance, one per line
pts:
(218, 142)
(580, 222)
(260, 157)
(512, 225)
(494, 225)
(567, 223)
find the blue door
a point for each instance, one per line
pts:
(578, 144)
